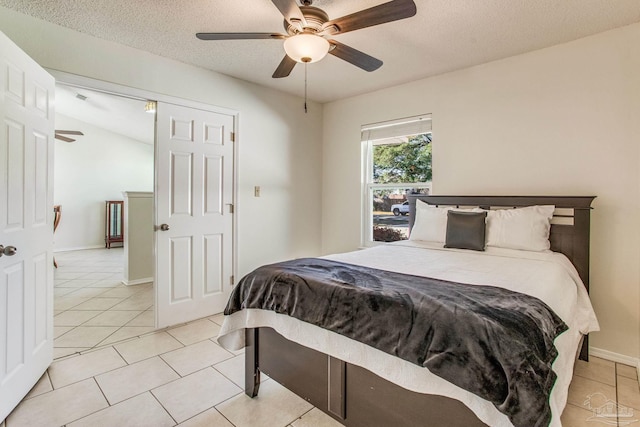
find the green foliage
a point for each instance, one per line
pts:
(406, 162)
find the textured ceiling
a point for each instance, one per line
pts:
(445, 35)
(116, 114)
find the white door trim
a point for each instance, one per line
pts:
(131, 92)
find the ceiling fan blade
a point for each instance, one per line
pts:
(386, 12)
(63, 138)
(354, 56)
(239, 36)
(285, 67)
(70, 132)
(290, 10)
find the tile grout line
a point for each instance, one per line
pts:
(172, 368)
(94, 412)
(300, 417)
(162, 406)
(180, 377)
(107, 337)
(83, 379)
(597, 381)
(224, 416)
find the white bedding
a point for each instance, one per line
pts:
(548, 276)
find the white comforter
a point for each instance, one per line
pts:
(548, 276)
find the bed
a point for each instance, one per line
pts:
(361, 385)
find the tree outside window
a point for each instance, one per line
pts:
(396, 166)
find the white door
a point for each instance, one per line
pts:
(194, 222)
(26, 214)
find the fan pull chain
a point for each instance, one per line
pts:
(305, 87)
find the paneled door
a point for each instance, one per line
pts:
(194, 213)
(26, 223)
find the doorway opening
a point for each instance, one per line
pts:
(103, 291)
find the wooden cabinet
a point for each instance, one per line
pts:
(113, 226)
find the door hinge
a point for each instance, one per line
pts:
(233, 137)
(231, 208)
(232, 280)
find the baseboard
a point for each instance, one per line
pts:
(79, 248)
(615, 357)
(137, 281)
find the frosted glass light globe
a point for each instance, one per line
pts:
(306, 47)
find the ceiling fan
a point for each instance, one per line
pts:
(60, 134)
(309, 31)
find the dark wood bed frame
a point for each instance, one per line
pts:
(356, 397)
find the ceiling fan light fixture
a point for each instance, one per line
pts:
(306, 47)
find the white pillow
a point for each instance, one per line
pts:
(431, 222)
(521, 228)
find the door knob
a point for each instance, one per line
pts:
(8, 251)
(164, 227)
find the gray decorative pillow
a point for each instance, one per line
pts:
(466, 230)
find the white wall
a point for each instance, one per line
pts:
(279, 145)
(556, 121)
(559, 121)
(97, 167)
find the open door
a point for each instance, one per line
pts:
(194, 213)
(26, 223)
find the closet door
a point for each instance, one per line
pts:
(194, 213)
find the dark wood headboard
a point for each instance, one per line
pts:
(570, 226)
(569, 229)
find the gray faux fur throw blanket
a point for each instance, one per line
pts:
(493, 342)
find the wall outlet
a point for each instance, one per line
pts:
(256, 191)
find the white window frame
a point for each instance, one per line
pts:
(369, 135)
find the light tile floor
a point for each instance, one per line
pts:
(177, 376)
(92, 307)
(180, 376)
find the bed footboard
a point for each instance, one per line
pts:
(352, 395)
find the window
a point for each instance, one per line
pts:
(396, 161)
